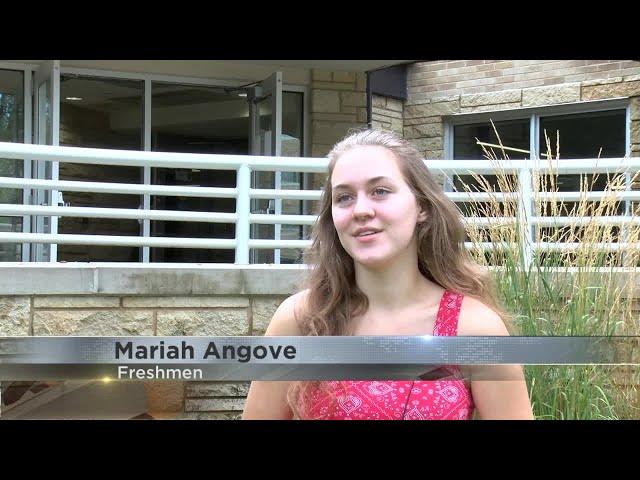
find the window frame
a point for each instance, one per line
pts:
(147, 79)
(27, 71)
(534, 114)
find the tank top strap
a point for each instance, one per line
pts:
(446, 323)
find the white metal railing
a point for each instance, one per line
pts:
(243, 194)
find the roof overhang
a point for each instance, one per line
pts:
(346, 65)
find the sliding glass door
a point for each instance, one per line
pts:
(46, 128)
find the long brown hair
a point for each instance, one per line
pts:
(333, 297)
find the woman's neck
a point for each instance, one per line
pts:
(395, 288)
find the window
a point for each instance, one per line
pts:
(561, 133)
(195, 119)
(11, 130)
(596, 134)
(100, 112)
(583, 135)
(510, 133)
(292, 146)
(117, 110)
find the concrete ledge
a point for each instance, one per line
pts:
(150, 279)
(129, 279)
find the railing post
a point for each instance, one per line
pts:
(525, 213)
(146, 170)
(242, 211)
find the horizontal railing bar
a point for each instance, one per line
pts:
(166, 215)
(122, 213)
(93, 156)
(481, 196)
(282, 219)
(126, 188)
(285, 194)
(492, 221)
(220, 192)
(212, 243)
(595, 196)
(294, 164)
(264, 244)
(490, 245)
(287, 164)
(573, 246)
(619, 195)
(572, 166)
(556, 221)
(583, 221)
(548, 246)
(117, 240)
(270, 219)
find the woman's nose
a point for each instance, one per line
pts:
(363, 207)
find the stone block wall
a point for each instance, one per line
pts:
(121, 315)
(386, 114)
(338, 105)
(106, 300)
(437, 89)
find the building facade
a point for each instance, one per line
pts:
(444, 107)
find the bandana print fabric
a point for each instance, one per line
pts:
(444, 399)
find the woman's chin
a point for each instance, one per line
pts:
(373, 262)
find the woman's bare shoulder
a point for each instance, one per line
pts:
(285, 319)
(476, 318)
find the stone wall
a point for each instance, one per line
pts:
(386, 114)
(212, 315)
(129, 300)
(338, 105)
(437, 89)
(165, 300)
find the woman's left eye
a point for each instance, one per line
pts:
(380, 192)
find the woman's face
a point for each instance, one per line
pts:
(373, 209)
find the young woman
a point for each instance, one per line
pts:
(388, 259)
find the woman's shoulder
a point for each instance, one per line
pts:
(476, 318)
(285, 320)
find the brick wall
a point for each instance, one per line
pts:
(437, 89)
(386, 114)
(457, 77)
(101, 315)
(175, 300)
(220, 315)
(338, 104)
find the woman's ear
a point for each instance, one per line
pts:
(422, 216)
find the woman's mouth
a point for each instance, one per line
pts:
(368, 236)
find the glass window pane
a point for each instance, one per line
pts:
(513, 134)
(575, 136)
(196, 119)
(585, 135)
(293, 146)
(100, 113)
(11, 130)
(263, 180)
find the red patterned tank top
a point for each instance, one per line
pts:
(448, 399)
